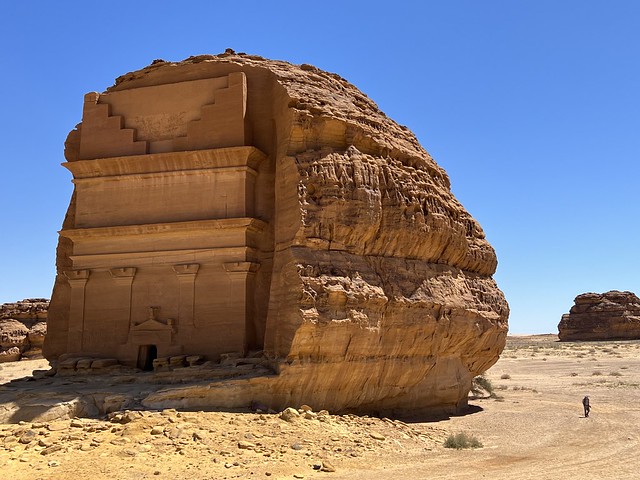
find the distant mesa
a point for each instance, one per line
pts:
(602, 316)
(23, 326)
(230, 206)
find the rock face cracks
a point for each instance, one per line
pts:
(602, 316)
(233, 203)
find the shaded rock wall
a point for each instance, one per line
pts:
(602, 316)
(376, 289)
(23, 326)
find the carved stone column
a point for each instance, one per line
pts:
(78, 281)
(241, 275)
(123, 279)
(187, 283)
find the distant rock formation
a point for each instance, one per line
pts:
(23, 326)
(602, 316)
(234, 204)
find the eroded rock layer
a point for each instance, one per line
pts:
(23, 326)
(602, 316)
(368, 285)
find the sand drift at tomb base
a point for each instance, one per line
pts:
(232, 204)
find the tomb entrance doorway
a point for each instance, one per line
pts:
(146, 355)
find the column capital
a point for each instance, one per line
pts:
(241, 267)
(77, 277)
(186, 269)
(123, 272)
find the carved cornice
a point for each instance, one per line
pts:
(251, 224)
(162, 257)
(219, 158)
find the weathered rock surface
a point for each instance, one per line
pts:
(602, 316)
(373, 286)
(23, 326)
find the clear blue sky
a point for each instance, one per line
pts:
(532, 107)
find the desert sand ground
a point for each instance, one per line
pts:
(534, 427)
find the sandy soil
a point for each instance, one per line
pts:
(535, 428)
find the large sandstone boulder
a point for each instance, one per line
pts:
(602, 316)
(23, 326)
(12, 333)
(363, 279)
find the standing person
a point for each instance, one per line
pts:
(587, 406)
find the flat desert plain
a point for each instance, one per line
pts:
(531, 427)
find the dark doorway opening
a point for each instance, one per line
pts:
(146, 355)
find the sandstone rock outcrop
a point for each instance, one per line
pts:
(602, 316)
(23, 326)
(231, 203)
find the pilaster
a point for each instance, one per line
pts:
(78, 281)
(187, 280)
(123, 279)
(241, 276)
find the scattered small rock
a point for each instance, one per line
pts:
(56, 427)
(28, 436)
(120, 441)
(289, 414)
(51, 449)
(327, 466)
(76, 423)
(45, 442)
(174, 433)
